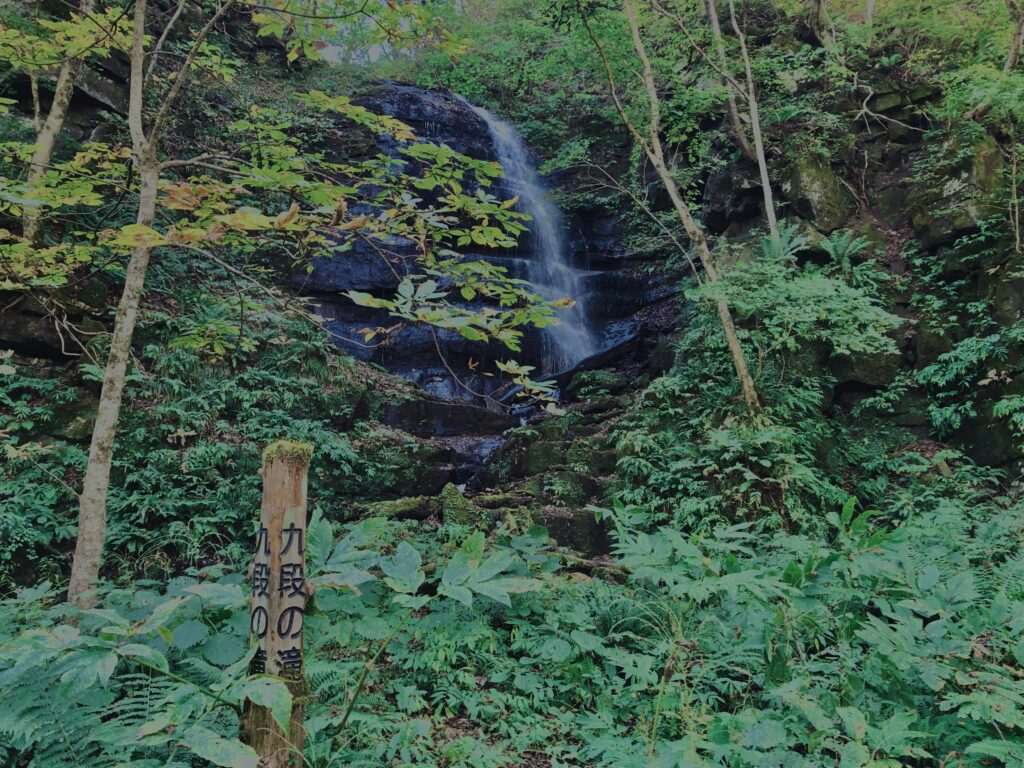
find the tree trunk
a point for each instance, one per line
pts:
(1017, 43)
(819, 23)
(755, 125)
(46, 135)
(1012, 57)
(734, 113)
(700, 244)
(93, 500)
(656, 154)
(92, 514)
(869, 19)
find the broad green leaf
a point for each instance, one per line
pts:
(138, 236)
(403, 569)
(144, 653)
(223, 650)
(88, 667)
(269, 692)
(188, 634)
(228, 753)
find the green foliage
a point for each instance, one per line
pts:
(154, 671)
(692, 458)
(792, 305)
(751, 613)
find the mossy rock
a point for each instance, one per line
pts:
(929, 344)
(911, 410)
(596, 460)
(456, 508)
(519, 519)
(889, 204)
(875, 370)
(422, 472)
(1008, 301)
(554, 428)
(809, 359)
(406, 508)
(875, 236)
(533, 487)
(986, 165)
(817, 193)
(567, 488)
(541, 456)
(92, 293)
(582, 431)
(590, 383)
(943, 214)
(74, 421)
(988, 440)
(935, 224)
(886, 102)
(576, 529)
(664, 356)
(497, 501)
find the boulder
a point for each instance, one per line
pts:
(593, 459)
(732, 193)
(434, 114)
(359, 264)
(541, 456)
(576, 529)
(32, 334)
(942, 215)
(406, 508)
(430, 417)
(498, 500)
(456, 508)
(74, 420)
(874, 370)
(817, 194)
(568, 488)
(102, 88)
(592, 382)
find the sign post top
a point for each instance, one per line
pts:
(290, 452)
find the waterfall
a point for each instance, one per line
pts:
(549, 271)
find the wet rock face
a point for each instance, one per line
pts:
(620, 295)
(434, 115)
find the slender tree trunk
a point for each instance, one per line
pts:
(655, 152)
(755, 126)
(92, 517)
(1012, 57)
(92, 503)
(869, 19)
(92, 514)
(1016, 45)
(700, 244)
(46, 134)
(723, 63)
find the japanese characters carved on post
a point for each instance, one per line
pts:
(280, 591)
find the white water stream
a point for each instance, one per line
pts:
(549, 271)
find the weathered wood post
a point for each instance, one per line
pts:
(279, 595)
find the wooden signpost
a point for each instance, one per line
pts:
(279, 595)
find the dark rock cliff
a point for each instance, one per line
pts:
(622, 301)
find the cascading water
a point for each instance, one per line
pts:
(549, 272)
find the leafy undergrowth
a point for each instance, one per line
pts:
(746, 616)
(871, 646)
(216, 381)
